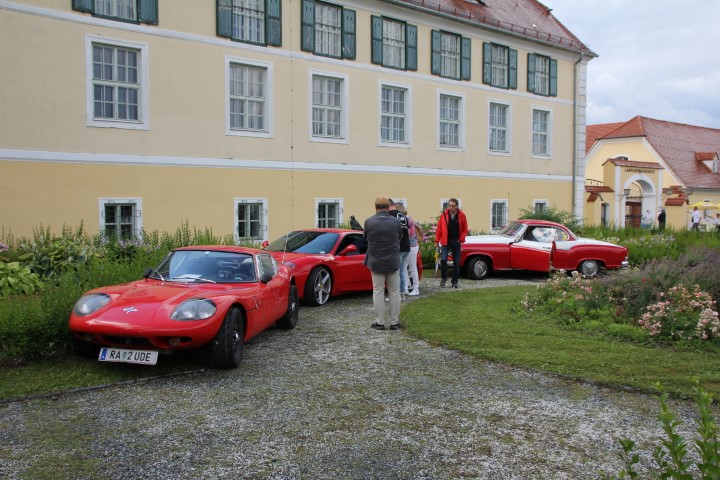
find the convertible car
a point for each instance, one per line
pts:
(325, 262)
(540, 246)
(216, 297)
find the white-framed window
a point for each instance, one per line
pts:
(393, 43)
(120, 218)
(498, 214)
(450, 55)
(328, 212)
(540, 206)
(249, 105)
(499, 139)
(451, 125)
(121, 9)
(248, 20)
(541, 128)
(116, 84)
(328, 29)
(329, 112)
(499, 65)
(395, 115)
(251, 222)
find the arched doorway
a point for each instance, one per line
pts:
(633, 206)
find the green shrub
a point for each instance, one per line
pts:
(16, 279)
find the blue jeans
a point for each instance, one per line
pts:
(454, 248)
(403, 271)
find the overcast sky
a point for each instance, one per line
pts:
(657, 58)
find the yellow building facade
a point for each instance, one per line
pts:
(142, 114)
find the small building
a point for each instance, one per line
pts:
(635, 169)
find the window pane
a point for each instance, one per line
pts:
(116, 91)
(248, 20)
(499, 66)
(450, 55)
(247, 100)
(328, 30)
(327, 107)
(393, 44)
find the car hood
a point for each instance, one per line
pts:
(485, 239)
(144, 300)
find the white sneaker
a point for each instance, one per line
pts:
(402, 297)
(414, 292)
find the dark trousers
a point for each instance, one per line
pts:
(454, 248)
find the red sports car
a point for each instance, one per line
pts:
(205, 296)
(540, 246)
(325, 262)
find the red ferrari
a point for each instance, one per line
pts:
(540, 246)
(325, 262)
(216, 297)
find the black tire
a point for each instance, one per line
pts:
(226, 349)
(318, 287)
(477, 268)
(589, 268)
(289, 320)
(85, 349)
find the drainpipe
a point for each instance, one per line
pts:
(575, 137)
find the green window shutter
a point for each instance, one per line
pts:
(273, 23)
(553, 77)
(83, 6)
(512, 81)
(148, 11)
(307, 41)
(224, 18)
(348, 34)
(465, 45)
(411, 47)
(487, 63)
(531, 73)
(376, 46)
(436, 54)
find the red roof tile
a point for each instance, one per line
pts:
(677, 144)
(526, 18)
(593, 132)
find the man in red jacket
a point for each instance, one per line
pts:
(451, 230)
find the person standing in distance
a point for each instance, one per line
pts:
(398, 209)
(696, 217)
(661, 219)
(451, 230)
(382, 232)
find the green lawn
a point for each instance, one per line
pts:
(490, 324)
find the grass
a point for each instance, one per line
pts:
(490, 324)
(65, 372)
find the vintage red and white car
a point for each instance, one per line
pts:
(214, 297)
(541, 246)
(325, 262)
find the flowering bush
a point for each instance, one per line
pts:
(570, 298)
(681, 314)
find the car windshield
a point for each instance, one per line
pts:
(512, 229)
(206, 266)
(304, 242)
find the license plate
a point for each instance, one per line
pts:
(124, 355)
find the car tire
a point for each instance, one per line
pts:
(289, 320)
(226, 349)
(589, 268)
(85, 349)
(318, 287)
(477, 268)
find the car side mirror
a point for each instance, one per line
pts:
(265, 243)
(349, 250)
(266, 277)
(148, 271)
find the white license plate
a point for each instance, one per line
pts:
(124, 355)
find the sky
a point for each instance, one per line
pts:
(657, 58)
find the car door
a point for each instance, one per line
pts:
(273, 295)
(350, 272)
(532, 250)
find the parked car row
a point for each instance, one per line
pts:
(219, 297)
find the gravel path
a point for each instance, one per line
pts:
(334, 399)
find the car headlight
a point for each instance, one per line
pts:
(195, 309)
(87, 304)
